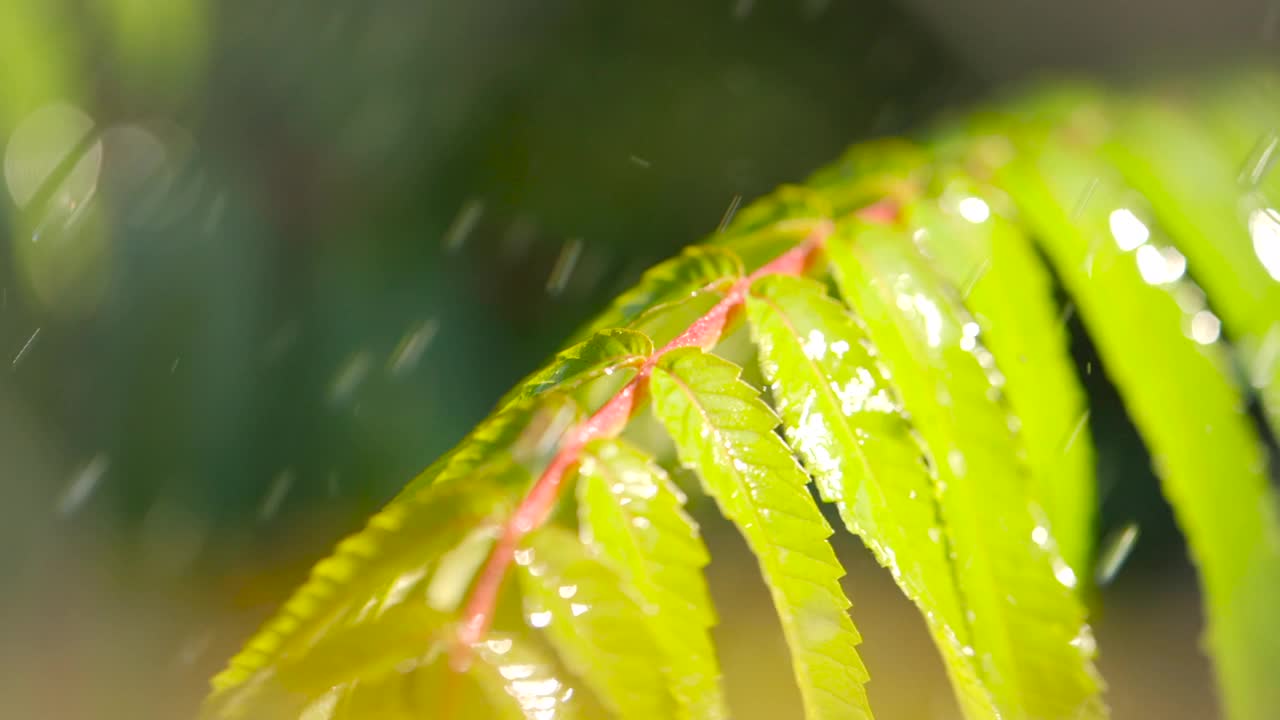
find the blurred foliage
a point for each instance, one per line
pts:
(943, 451)
(250, 321)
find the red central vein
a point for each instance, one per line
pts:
(610, 420)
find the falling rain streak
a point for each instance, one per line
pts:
(25, 348)
(729, 213)
(349, 377)
(1264, 156)
(1079, 428)
(460, 230)
(1115, 551)
(83, 484)
(564, 266)
(407, 354)
(275, 495)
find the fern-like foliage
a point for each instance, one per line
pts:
(902, 309)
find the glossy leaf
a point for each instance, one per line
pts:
(1160, 344)
(936, 408)
(696, 268)
(632, 516)
(1002, 282)
(511, 665)
(599, 631)
(724, 432)
(842, 418)
(604, 353)
(1215, 207)
(413, 560)
(1027, 626)
(528, 429)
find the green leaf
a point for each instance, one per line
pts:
(765, 243)
(1009, 292)
(694, 269)
(509, 678)
(528, 429)
(632, 516)
(414, 558)
(843, 420)
(1159, 344)
(602, 354)
(725, 433)
(426, 544)
(396, 665)
(597, 629)
(511, 664)
(1218, 213)
(1026, 623)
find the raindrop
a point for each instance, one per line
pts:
(1115, 551)
(25, 348)
(1064, 573)
(83, 484)
(969, 336)
(500, 646)
(409, 351)
(275, 495)
(173, 367)
(1160, 267)
(1084, 642)
(460, 229)
(349, 377)
(1040, 535)
(1264, 228)
(564, 266)
(743, 8)
(815, 347)
(1205, 327)
(578, 608)
(540, 619)
(517, 672)
(640, 162)
(1085, 197)
(1264, 154)
(194, 648)
(1075, 431)
(1129, 232)
(731, 210)
(974, 209)
(567, 591)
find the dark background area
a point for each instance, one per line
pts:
(262, 262)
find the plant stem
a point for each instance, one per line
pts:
(610, 420)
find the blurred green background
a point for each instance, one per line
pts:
(260, 262)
